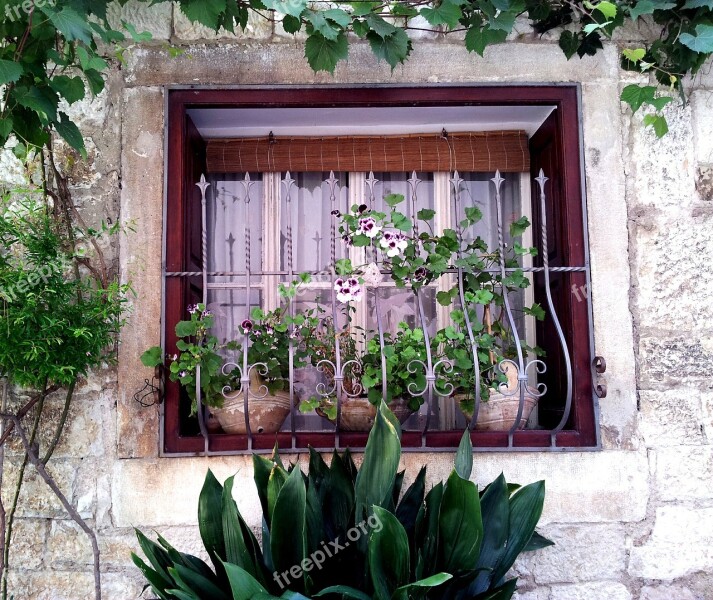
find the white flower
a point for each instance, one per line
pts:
(368, 227)
(372, 275)
(394, 243)
(348, 289)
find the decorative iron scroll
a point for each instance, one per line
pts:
(435, 369)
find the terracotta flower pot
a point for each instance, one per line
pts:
(358, 414)
(266, 414)
(500, 411)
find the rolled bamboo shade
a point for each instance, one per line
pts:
(480, 151)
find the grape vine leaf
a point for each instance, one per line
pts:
(10, 71)
(702, 41)
(323, 54)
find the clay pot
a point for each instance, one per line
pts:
(500, 411)
(266, 414)
(358, 414)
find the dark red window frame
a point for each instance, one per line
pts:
(555, 147)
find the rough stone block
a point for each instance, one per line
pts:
(665, 361)
(68, 547)
(684, 473)
(155, 19)
(591, 591)
(52, 585)
(674, 417)
(28, 543)
(184, 30)
(36, 498)
(680, 544)
(702, 107)
(667, 592)
(581, 553)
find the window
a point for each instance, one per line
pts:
(320, 156)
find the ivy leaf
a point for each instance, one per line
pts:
(291, 24)
(322, 25)
(143, 36)
(90, 61)
(446, 13)
(701, 42)
(5, 129)
(42, 100)
(661, 101)
(380, 26)
(70, 88)
(693, 4)
(10, 71)
(647, 7)
(95, 81)
(400, 9)
(69, 23)
(658, 122)
(324, 54)
(535, 311)
(607, 9)
(205, 12)
(569, 43)
(590, 44)
(71, 134)
(517, 228)
(504, 21)
(477, 38)
(362, 8)
(634, 55)
(636, 95)
(293, 8)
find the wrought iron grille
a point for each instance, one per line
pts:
(343, 367)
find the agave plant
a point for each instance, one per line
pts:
(343, 532)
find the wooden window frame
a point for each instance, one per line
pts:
(558, 146)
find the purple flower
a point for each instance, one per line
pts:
(206, 313)
(336, 213)
(368, 227)
(394, 243)
(347, 240)
(246, 325)
(363, 208)
(420, 274)
(193, 308)
(182, 374)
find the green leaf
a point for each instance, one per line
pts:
(278, 477)
(636, 95)
(95, 81)
(477, 39)
(660, 101)
(205, 12)
(536, 311)
(324, 54)
(5, 129)
(376, 477)
(262, 467)
(89, 60)
(405, 592)
(152, 357)
(517, 228)
(192, 581)
(426, 214)
(185, 329)
(445, 12)
(464, 456)
(210, 521)
(569, 43)
(443, 298)
(607, 9)
(42, 100)
(634, 55)
(693, 4)
(243, 585)
(525, 511)
(70, 133)
(138, 37)
(329, 28)
(344, 591)
(291, 24)
(411, 503)
(288, 543)
(658, 122)
(361, 8)
(69, 23)
(293, 8)
(388, 555)
(473, 214)
(537, 542)
(236, 550)
(10, 71)
(393, 48)
(701, 42)
(379, 25)
(460, 526)
(70, 88)
(647, 7)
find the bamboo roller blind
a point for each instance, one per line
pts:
(480, 151)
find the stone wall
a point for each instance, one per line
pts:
(632, 521)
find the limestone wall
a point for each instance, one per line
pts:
(632, 521)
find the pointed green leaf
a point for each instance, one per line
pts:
(658, 122)
(388, 553)
(69, 23)
(243, 585)
(324, 54)
(288, 542)
(344, 591)
(70, 133)
(537, 542)
(495, 510)
(10, 71)
(464, 456)
(210, 521)
(286, 7)
(444, 12)
(278, 477)
(393, 48)
(701, 42)
(406, 592)
(70, 88)
(460, 526)
(205, 12)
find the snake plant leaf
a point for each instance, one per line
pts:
(418, 589)
(375, 480)
(460, 526)
(427, 532)
(191, 582)
(262, 467)
(412, 501)
(182, 595)
(464, 456)
(278, 477)
(344, 591)
(314, 518)
(495, 510)
(157, 582)
(396, 492)
(192, 562)
(288, 536)
(236, 548)
(243, 585)
(525, 511)
(388, 555)
(504, 592)
(157, 557)
(349, 464)
(338, 499)
(537, 542)
(289, 595)
(210, 521)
